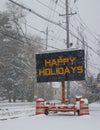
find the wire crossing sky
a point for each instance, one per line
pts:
(84, 23)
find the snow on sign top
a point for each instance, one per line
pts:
(60, 66)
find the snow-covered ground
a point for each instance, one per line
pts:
(16, 110)
(61, 121)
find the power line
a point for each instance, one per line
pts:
(40, 16)
(43, 32)
(97, 68)
(80, 20)
(51, 15)
(53, 22)
(78, 30)
(27, 39)
(61, 5)
(84, 24)
(48, 15)
(85, 44)
(47, 6)
(87, 28)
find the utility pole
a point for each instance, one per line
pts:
(47, 45)
(67, 44)
(67, 24)
(46, 37)
(86, 57)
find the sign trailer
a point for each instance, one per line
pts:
(60, 66)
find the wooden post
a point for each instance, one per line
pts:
(63, 92)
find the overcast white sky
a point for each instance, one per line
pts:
(87, 9)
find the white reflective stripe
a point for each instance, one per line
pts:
(40, 110)
(83, 105)
(39, 104)
(84, 111)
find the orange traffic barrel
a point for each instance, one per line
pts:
(84, 108)
(66, 101)
(77, 105)
(78, 98)
(39, 106)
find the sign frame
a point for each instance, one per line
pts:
(56, 66)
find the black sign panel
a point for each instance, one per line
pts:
(60, 66)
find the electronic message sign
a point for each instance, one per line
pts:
(60, 66)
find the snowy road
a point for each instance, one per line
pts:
(16, 110)
(95, 110)
(26, 121)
